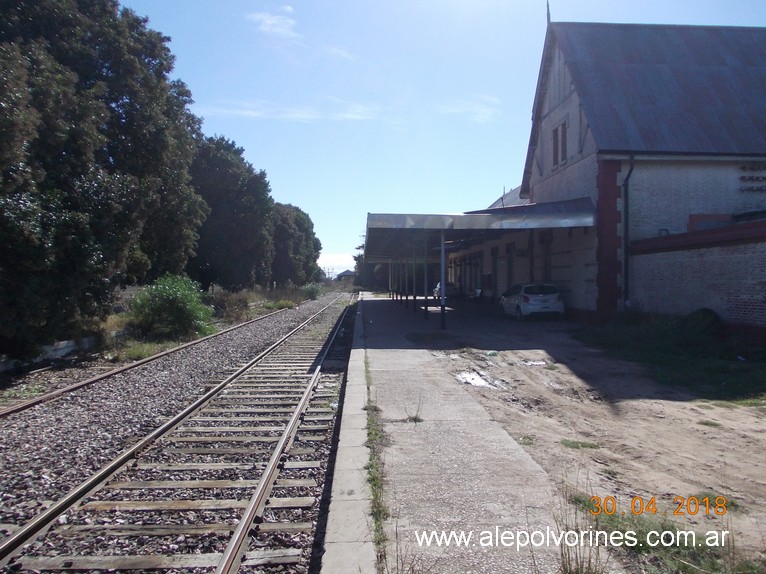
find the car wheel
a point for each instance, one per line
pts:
(519, 315)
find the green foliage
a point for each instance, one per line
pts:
(296, 248)
(233, 307)
(279, 304)
(132, 350)
(171, 308)
(103, 170)
(235, 246)
(95, 148)
(312, 290)
(678, 557)
(578, 444)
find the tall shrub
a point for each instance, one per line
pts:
(171, 307)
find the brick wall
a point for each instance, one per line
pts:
(730, 280)
(573, 270)
(663, 194)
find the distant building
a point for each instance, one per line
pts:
(345, 274)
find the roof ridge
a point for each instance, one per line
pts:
(658, 25)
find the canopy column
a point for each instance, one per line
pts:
(443, 284)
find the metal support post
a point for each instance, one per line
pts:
(406, 283)
(443, 284)
(414, 280)
(425, 276)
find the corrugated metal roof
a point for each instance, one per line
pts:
(395, 235)
(509, 199)
(669, 89)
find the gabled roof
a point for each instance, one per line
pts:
(663, 89)
(669, 89)
(510, 199)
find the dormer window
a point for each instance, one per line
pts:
(560, 145)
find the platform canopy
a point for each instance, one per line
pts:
(396, 236)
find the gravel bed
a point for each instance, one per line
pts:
(116, 546)
(60, 541)
(49, 449)
(61, 373)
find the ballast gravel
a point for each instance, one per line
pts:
(48, 449)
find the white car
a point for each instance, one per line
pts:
(524, 300)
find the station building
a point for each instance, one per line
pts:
(644, 185)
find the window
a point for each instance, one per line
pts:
(563, 134)
(560, 144)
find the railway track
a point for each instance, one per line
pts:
(20, 405)
(230, 484)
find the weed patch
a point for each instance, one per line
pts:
(22, 393)
(415, 417)
(232, 307)
(672, 548)
(376, 441)
(690, 352)
(577, 444)
(278, 304)
(133, 350)
(708, 423)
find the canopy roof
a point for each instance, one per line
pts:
(396, 236)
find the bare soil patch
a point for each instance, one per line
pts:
(639, 438)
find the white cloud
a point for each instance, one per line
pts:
(259, 109)
(342, 53)
(262, 109)
(275, 24)
(477, 108)
(355, 112)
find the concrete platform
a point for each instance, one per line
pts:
(349, 543)
(448, 466)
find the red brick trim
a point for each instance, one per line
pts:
(696, 219)
(609, 243)
(754, 232)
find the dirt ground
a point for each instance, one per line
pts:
(652, 441)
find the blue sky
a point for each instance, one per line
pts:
(354, 106)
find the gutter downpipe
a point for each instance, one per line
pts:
(626, 234)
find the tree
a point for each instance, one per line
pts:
(296, 248)
(235, 247)
(95, 146)
(152, 135)
(360, 269)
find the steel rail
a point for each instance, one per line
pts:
(73, 387)
(47, 516)
(232, 555)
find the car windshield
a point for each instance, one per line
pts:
(541, 290)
